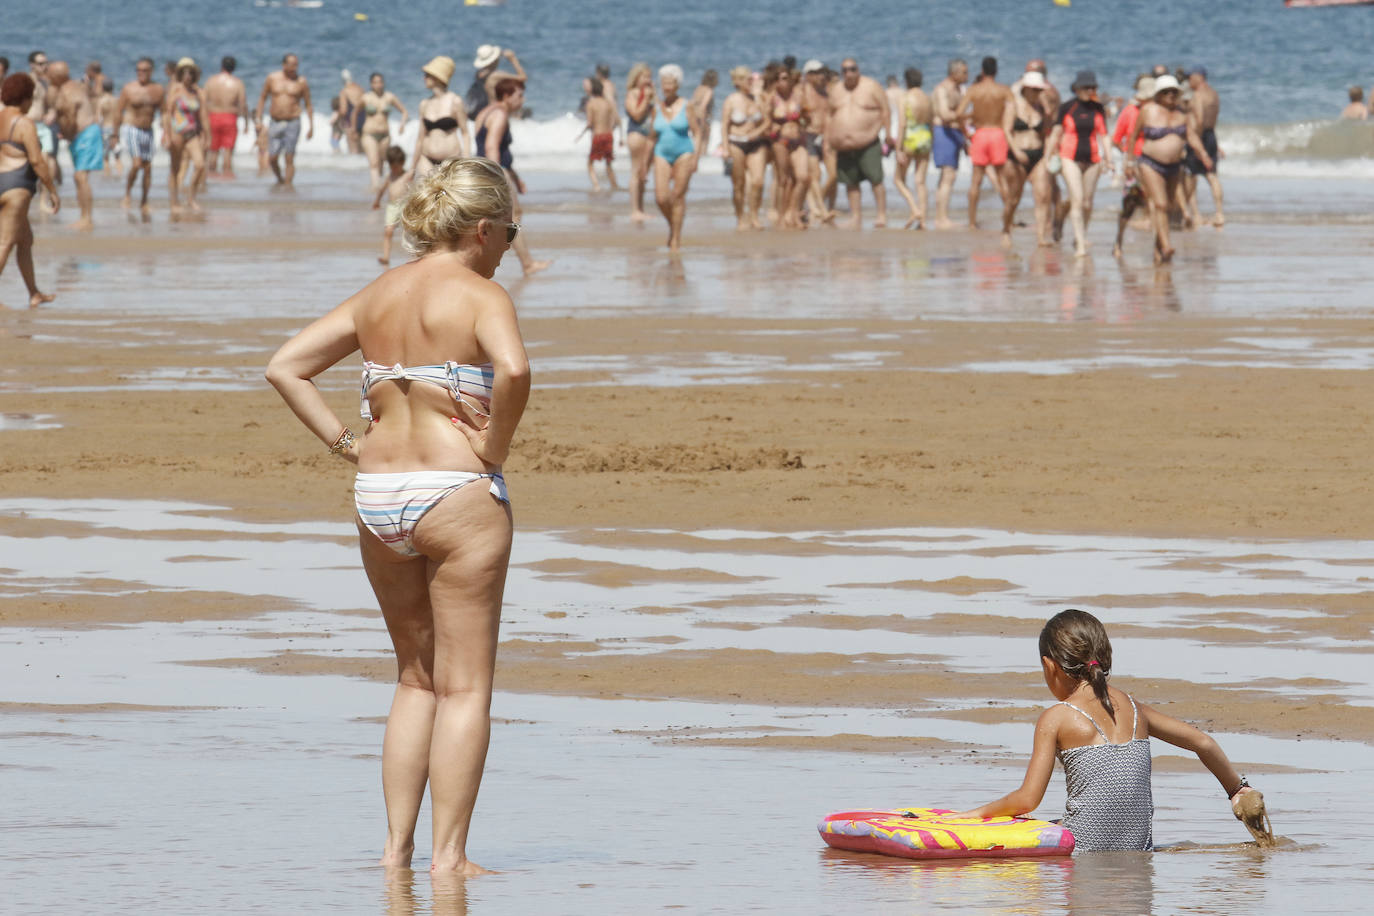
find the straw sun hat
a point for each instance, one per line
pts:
(441, 68)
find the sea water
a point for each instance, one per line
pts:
(1282, 74)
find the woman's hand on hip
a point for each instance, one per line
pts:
(487, 451)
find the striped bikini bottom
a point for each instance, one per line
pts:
(391, 505)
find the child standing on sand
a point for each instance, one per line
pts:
(1106, 756)
(396, 186)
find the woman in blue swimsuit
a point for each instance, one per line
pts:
(676, 129)
(445, 381)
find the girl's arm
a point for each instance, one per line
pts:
(1181, 734)
(292, 369)
(399, 106)
(1038, 772)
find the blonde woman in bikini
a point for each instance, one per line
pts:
(445, 383)
(743, 125)
(639, 125)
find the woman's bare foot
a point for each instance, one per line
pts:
(38, 297)
(195, 206)
(1218, 221)
(399, 857)
(1006, 239)
(533, 267)
(943, 224)
(83, 225)
(461, 868)
(638, 216)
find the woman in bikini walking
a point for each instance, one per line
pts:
(22, 167)
(792, 162)
(639, 117)
(444, 131)
(1168, 134)
(376, 130)
(445, 381)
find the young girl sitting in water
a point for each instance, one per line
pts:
(1101, 736)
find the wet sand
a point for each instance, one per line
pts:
(694, 425)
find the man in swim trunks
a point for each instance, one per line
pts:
(602, 122)
(815, 103)
(139, 102)
(1205, 107)
(290, 93)
(949, 138)
(101, 88)
(226, 101)
(984, 106)
(858, 114)
(352, 111)
(77, 121)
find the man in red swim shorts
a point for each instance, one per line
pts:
(985, 104)
(225, 102)
(602, 121)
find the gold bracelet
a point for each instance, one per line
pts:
(343, 443)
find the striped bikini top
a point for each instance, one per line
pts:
(470, 385)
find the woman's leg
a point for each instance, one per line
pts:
(374, 151)
(1043, 193)
(195, 152)
(663, 192)
(402, 588)
(779, 213)
(682, 172)
(467, 539)
(176, 149)
(639, 173)
(521, 246)
(739, 180)
(1073, 180)
(1013, 183)
(757, 164)
(1159, 193)
(1090, 176)
(801, 183)
(922, 194)
(900, 165)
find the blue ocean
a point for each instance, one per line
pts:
(1283, 73)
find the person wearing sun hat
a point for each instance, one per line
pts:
(1080, 138)
(485, 63)
(444, 128)
(1168, 132)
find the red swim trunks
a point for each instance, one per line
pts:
(224, 130)
(988, 146)
(603, 147)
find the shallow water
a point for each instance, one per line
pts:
(236, 795)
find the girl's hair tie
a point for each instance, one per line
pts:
(1094, 662)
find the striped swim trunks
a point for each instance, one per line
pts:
(138, 142)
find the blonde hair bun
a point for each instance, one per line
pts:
(450, 201)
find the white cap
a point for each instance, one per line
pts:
(486, 56)
(1164, 84)
(1032, 79)
(812, 66)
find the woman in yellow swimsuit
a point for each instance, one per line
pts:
(914, 129)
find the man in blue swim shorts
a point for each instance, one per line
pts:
(77, 121)
(948, 138)
(290, 94)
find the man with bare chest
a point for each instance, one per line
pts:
(139, 102)
(949, 138)
(225, 101)
(984, 105)
(1203, 113)
(858, 115)
(815, 102)
(290, 92)
(81, 129)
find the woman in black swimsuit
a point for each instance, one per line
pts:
(507, 94)
(1025, 124)
(444, 132)
(22, 166)
(1168, 134)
